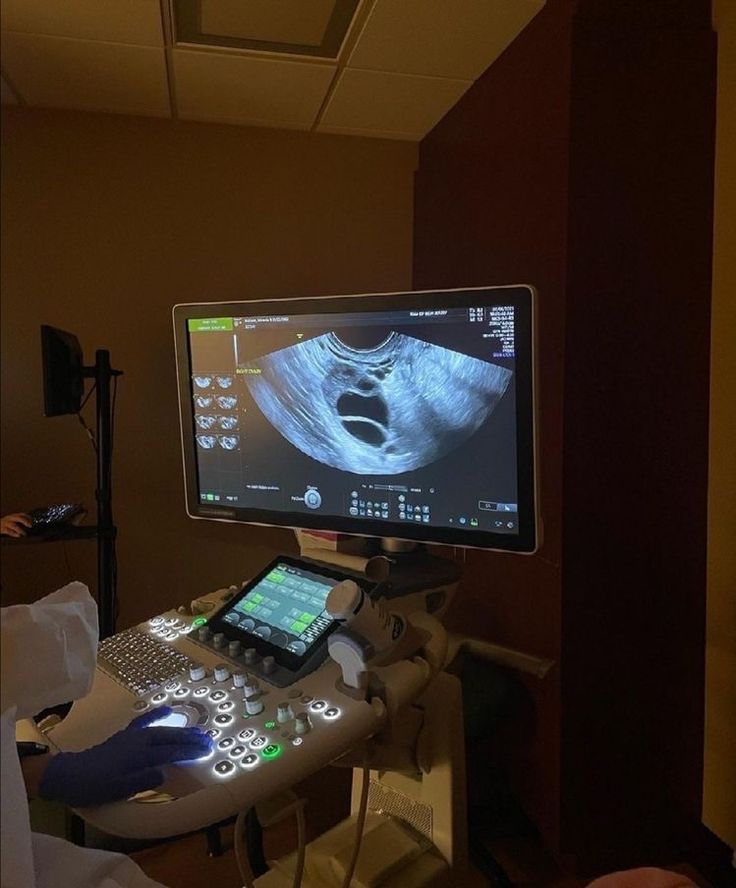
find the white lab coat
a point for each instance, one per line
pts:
(48, 657)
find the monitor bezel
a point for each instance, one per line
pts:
(522, 296)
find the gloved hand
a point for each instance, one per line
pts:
(128, 762)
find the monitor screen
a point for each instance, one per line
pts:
(405, 415)
(282, 611)
(63, 372)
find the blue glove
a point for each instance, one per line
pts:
(128, 762)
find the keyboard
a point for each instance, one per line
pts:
(140, 662)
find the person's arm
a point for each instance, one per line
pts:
(15, 525)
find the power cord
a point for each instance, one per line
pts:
(359, 825)
(241, 846)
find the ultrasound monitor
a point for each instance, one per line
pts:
(407, 415)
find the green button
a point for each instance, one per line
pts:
(272, 751)
(269, 726)
(199, 621)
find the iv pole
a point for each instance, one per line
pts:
(103, 373)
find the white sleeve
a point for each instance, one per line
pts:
(49, 650)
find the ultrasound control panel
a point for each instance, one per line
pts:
(271, 724)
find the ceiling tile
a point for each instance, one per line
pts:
(235, 88)
(458, 39)
(6, 93)
(55, 72)
(390, 103)
(118, 21)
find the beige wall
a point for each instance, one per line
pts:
(719, 795)
(107, 223)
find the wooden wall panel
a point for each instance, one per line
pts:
(581, 162)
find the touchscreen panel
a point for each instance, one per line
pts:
(285, 608)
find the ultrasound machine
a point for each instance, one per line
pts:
(376, 425)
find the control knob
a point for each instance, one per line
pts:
(204, 633)
(254, 704)
(268, 665)
(222, 673)
(219, 640)
(251, 688)
(302, 725)
(197, 672)
(251, 656)
(239, 679)
(234, 648)
(284, 713)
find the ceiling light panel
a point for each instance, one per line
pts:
(365, 102)
(457, 39)
(118, 21)
(314, 28)
(234, 88)
(55, 72)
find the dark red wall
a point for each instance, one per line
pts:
(635, 452)
(491, 208)
(581, 162)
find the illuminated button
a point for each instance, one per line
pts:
(306, 699)
(171, 685)
(294, 693)
(156, 621)
(223, 719)
(226, 743)
(227, 706)
(201, 692)
(224, 768)
(158, 698)
(199, 621)
(213, 732)
(172, 621)
(259, 742)
(318, 705)
(247, 734)
(197, 672)
(237, 751)
(332, 712)
(269, 725)
(140, 705)
(271, 751)
(297, 741)
(217, 695)
(239, 679)
(249, 760)
(181, 692)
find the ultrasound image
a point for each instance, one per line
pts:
(390, 409)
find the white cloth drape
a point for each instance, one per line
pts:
(48, 657)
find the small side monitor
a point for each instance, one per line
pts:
(63, 372)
